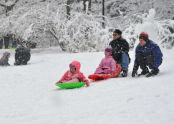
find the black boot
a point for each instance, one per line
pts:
(144, 72)
(124, 74)
(153, 72)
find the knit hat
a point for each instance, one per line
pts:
(144, 36)
(109, 50)
(118, 31)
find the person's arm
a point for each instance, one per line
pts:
(135, 68)
(113, 65)
(135, 61)
(99, 68)
(156, 52)
(101, 63)
(125, 47)
(83, 79)
(63, 77)
(110, 43)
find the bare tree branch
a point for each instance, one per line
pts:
(54, 35)
(8, 8)
(2, 5)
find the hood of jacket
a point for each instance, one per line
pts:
(77, 65)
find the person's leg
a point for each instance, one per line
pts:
(141, 60)
(150, 62)
(6, 43)
(125, 61)
(118, 58)
(71, 81)
(99, 71)
(1, 44)
(124, 64)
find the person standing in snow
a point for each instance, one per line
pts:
(6, 41)
(73, 74)
(22, 55)
(120, 51)
(148, 54)
(1, 43)
(14, 43)
(108, 64)
(4, 59)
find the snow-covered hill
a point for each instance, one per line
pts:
(29, 96)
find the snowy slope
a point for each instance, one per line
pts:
(29, 96)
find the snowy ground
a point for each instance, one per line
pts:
(28, 94)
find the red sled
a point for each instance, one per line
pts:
(97, 77)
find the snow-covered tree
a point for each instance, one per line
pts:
(162, 32)
(66, 25)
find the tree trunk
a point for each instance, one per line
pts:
(84, 4)
(8, 7)
(103, 12)
(68, 8)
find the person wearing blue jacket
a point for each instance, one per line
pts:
(148, 54)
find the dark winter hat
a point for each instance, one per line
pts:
(109, 50)
(144, 36)
(118, 31)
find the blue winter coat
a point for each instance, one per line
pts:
(150, 49)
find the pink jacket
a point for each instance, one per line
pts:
(107, 66)
(73, 76)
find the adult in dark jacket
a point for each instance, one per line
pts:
(148, 54)
(22, 55)
(120, 50)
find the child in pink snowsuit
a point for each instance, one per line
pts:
(108, 64)
(74, 74)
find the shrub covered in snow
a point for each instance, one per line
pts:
(160, 31)
(48, 24)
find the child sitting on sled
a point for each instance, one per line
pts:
(74, 74)
(4, 59)
(108, 64)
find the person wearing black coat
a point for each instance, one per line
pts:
(120, 51)
(22, 55)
